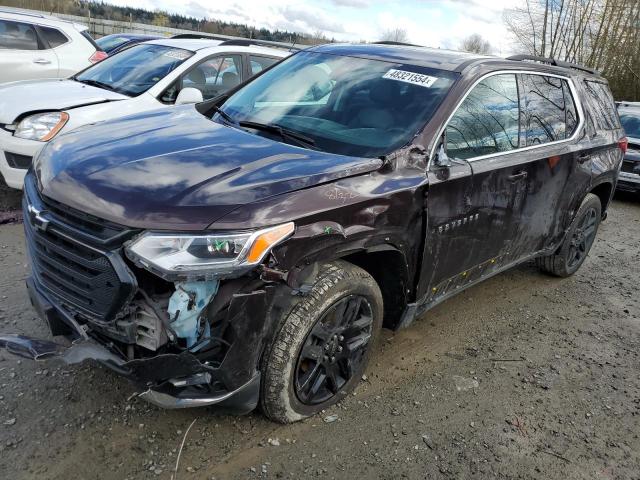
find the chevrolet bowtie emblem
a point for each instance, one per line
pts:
(37, 220)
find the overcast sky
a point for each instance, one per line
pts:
(435, 23)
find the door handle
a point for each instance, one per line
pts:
(585, 157)
(42, 61)
(516, 177)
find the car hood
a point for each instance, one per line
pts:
(176, 169)
(17, 98)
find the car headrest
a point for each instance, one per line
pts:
(230, 79)
(384, 91)
(197, 76)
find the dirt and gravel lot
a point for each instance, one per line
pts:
(524, 376)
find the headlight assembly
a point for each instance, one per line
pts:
(41, 126)
(186, 255)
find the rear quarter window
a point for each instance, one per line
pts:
(53, 37)
(602, 106)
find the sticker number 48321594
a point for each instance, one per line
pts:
(410, 77)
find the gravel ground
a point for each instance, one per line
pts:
(523, 376)
(9, 203)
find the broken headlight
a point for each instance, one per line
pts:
(192, 255)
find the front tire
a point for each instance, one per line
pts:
(323, 346)
(578, 241)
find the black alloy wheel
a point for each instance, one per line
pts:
(334, 349)
(583, 237)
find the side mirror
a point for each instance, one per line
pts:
(189, 95)
(441, 159)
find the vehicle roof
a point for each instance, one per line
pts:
(436, 58)
(132, 36)
(215, 45)
(37, 17)
(416, 55)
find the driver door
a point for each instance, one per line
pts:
(474, 205)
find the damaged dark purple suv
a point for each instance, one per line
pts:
(247, 251)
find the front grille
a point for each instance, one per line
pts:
(16, 160)
(631, 167)
(84, 278)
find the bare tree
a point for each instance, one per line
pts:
(474, 43)
(603, 34)
(395, 35)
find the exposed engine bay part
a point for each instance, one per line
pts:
(185, 306)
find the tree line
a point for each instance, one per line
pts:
(103, 10)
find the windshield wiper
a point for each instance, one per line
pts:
(97, 83)
(224, 115)
(284, 133)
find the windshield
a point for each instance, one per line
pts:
(111, 42)
(345, 105)
(135, 70)
(631, 124)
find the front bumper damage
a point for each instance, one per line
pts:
(169, 380)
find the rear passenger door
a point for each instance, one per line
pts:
(23, 54)
(560, 168)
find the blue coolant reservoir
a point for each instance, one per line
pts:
(185, 306)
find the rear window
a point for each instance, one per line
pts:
(111, 42)
(53, 37)
(17, 36)
(603, 108)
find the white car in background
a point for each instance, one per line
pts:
(144, 77)
(39, 46)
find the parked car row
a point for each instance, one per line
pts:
(140, 78)
(248, 249)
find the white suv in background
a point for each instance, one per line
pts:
(144, 77)
(39, 46)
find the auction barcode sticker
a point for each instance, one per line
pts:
(410, 77)
(178, 54)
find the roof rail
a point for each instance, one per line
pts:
(236, 41)
(390, 42)
(20, 11)
(554, 62)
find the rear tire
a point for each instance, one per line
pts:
(578, 241)
(324, 344)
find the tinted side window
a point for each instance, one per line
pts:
(54, 37)
(260, 63)
(548, 118)
(603, 108)
(17, 36)
(487, 121)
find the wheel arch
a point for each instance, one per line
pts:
(389, 269)
(604, 191)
